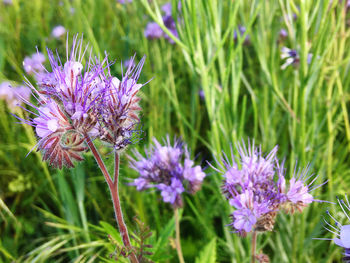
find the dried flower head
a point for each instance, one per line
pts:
(75, 101)
(169, 169)
(256, 188)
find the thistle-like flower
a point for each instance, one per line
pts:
(256, 188)
(75, 101)
(341, 231)
(169, 169)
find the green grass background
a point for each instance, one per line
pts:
(48, 215)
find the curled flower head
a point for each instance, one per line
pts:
(256, 188)
(169, 169)
(120, 107)
(76, 101)
(341, 231)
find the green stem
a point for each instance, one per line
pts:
(178, 240)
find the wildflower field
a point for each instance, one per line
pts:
(187, 131)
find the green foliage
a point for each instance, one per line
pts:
(66, 216)
(208, 254)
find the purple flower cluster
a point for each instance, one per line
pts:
(76, 101)
(341, 231)
(169, 169)
(239, 33)
(256, 188)
(291, 57)
(153, 30)
(13, 95)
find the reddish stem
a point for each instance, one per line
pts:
(254, 236)
(113, 188)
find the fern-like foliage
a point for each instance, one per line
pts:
(140, 235)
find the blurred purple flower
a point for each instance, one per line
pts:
(239, 33)
(341, 231)
(283, 34)
(13, 95)
(123, 1)
(34, 63)
(291, 57)
(153, 30)
(169, 169)
(58, 31)
(252, 189)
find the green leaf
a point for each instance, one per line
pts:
(163, 239)
(111, 230)
(208, 254)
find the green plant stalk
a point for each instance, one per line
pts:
(113, 188)
(177, 238)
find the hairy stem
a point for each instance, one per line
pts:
(177, 239)
(253, 246)
(113, 188)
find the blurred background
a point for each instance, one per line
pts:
(222, 71)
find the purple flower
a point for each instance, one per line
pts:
(341, 231)
(34, 63)
(58, 31)
(239, 33)
(244, 219)
(292, 57)
(166, 8)
(169, 169)
(123, 1)
(76, 100)
(283, 34)
(251, 185)
(172, 193)
(13, 95)
(201, 94)
(170, 24)
(153, 30)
